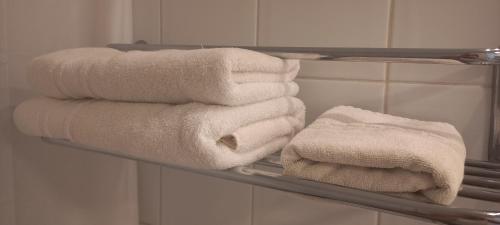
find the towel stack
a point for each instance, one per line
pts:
(206, 108)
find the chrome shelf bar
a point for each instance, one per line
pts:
(370, 200)
(482, 172)
(482, 182)
(401, 55)
(482, 164)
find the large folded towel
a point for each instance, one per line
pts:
(378, 152)
(195, 135)
(226, 76)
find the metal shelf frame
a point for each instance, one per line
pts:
(482, 178)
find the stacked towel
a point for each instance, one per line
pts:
(378, 152)
(226, 107)
(225, 76)
(194, 134)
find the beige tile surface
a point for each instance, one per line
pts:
(273, 207)
(388, 219)
(323, 23)
(446, 24)
(443, 74)
(38, 26)
(464, 106)
(147, 21)
(7, 214)
(18, 64)
(58, 185)
(341, 70)
(216, 22)
(321, 95)
(327, 23)
(191, 199)
(149, 192)
(6, 154)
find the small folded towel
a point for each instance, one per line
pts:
(195, 135)
(225, 76)
(378, 152)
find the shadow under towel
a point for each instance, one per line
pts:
(378, 152)
(223, 76)
(195, 135)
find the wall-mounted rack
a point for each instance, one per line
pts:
(487, 57)
(482, 179)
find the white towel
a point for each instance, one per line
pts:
(226, 76)
(378, 152)
(195, 135)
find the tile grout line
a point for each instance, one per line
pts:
(388, 44)
(390, 19)
(256, 42)
(257, 22)
(394, 81)
(4, 38)
(160, 203)
(161, 21)
(160, 208)
(252, 211)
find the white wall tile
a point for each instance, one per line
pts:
(327, 23)
(273, 207)
(7, 205)
(6, 155)
(149, 192)
(189, 198)
(147, 21)
(18, 63)
(464, 106)
(321, 95)
(323, 23)
(37, 26)
(388, 219)
(216, 22)
(341, 70)
(444, 24)
(58, 185)
(3, 29)
(443, 74)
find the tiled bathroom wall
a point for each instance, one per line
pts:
(6, 159)
(57, 185)
(456, 94)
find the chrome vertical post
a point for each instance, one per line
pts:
(493, 150)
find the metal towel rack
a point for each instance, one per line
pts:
(482, 178)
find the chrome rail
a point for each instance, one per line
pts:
(489, 56)
(364, 199)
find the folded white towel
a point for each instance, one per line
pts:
(196, 135)
(378, 152)
(226, 76)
